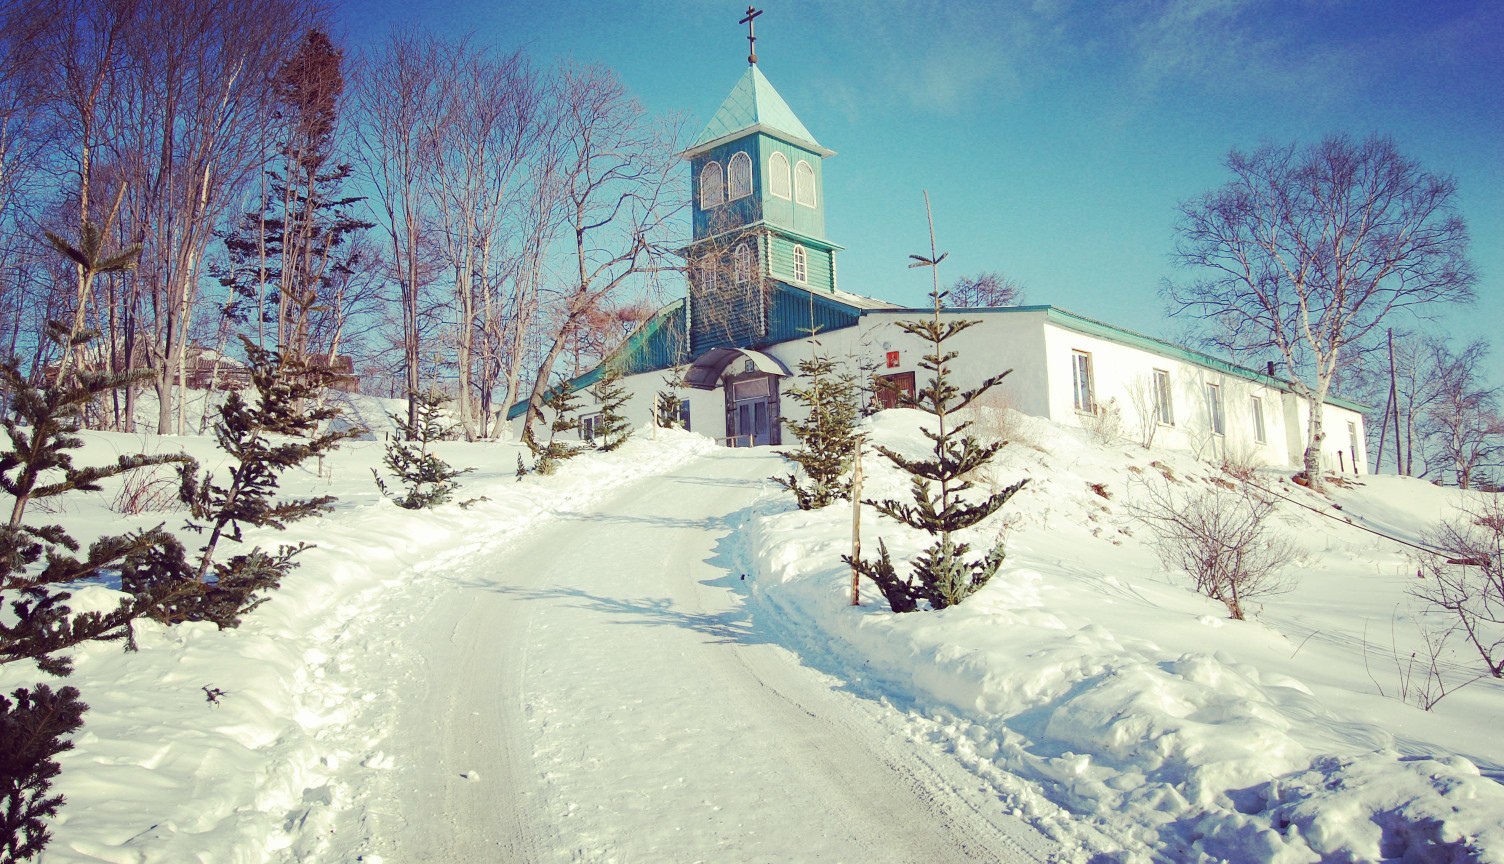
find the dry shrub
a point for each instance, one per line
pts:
(147, 490)
(1241, 463)
(1465, 579)
(1220, 537)
(1104, 424)
(994, 420)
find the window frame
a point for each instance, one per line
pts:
(1260, 431)
(801, 170)
(1216, 418)
(1164, 404)
(1083, 384)
(777, 172)
(719, 186)
(589, 426)
(740, 162)
(708, 275)
(801, 264)
(741, 263)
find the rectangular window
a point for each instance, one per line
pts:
(1164, 411)
(1258, 421)
(1085, 398)
(684, 414)
(1214, 409)
(753, 388)
(590, 425)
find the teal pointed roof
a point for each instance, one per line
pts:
(754, 106)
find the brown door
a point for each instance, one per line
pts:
(890, 387)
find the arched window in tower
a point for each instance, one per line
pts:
(804, 184)
(707, 276)
(739, 177)
(778, 176)
(741, 263)
(801, 262)
(712, 185)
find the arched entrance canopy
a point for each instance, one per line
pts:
(705, 372)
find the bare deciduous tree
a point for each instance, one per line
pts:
(488, 127)
(1310, 250)
(192, 89)
(1219, 535)
(984, 290)
(397, 100)
(1464, 425)
(616, 176)
(1466, 579)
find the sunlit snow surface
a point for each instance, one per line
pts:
(1086, 675)
(1084, 688)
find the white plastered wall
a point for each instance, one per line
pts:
(1039, 352)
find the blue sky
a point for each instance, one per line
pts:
(1055, 138)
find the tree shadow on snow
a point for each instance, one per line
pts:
(731, 626)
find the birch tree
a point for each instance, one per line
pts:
(487, 128)
(1306, 252)
(397, 100)
(194, 87)
(616, 172)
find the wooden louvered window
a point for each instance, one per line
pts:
(739, 177)
(804, 184)
(778, 176)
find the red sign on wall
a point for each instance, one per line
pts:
(892, 359)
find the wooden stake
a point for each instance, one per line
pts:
(856, 524)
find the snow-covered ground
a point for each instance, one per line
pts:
(1086, 677)
(575, 669)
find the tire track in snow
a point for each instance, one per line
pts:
(603, 680)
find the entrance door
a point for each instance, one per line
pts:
(891, 388)
(752, 410)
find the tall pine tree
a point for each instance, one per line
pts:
(944, 574)
(287, 258)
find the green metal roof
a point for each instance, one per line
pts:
(754, 106)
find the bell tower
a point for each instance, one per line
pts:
(758, 213)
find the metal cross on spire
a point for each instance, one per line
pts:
(751, 35)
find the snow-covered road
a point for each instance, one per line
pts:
(598, 690)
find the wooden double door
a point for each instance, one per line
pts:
(752, 418)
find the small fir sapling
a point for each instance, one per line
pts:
(427, 480)
(39, 626)
(669, 405)
(942, 575)
(827, 437)
(613, 429)
(562, 400)
(42, 429)
(279, 432)
(32, 730)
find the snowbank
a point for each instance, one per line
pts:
(1155, 727)
(242, 745)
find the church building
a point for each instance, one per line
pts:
(764, 294)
